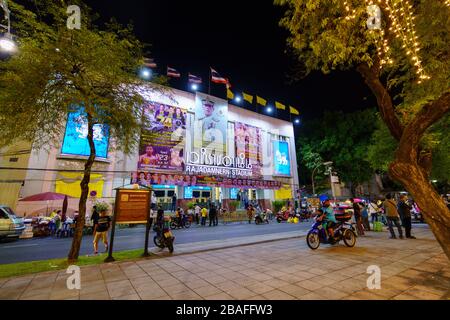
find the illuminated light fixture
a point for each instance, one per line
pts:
(237, 99)
(269, 109)
(146, 73)
(194, 87)
(7, 44)
(297, 121)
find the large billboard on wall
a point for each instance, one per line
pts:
(211, 122)
(162, 144)
(75, 138)
(281, 160)
(248, 141)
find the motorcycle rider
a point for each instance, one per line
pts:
(329, 218)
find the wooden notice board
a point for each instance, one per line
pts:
(133, 206)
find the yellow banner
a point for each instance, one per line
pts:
(69, 183)
(294, 111)
(284, 193)
(261, 101)
(280, 105)
(230, 94)
(247, 97)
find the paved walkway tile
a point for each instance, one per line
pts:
(281, 269)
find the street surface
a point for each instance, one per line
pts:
(133, 238)
(284, 269)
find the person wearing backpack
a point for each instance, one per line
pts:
(392, 216)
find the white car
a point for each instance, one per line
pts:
(11, 226)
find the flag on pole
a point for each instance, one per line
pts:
(171, 72)
(293, 111)
(247, 97)
(150, 63)
(216, 78)
(194, 79)
(230, 94)
(280, 106)
(261, 101)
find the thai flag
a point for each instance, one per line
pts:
(171, 72)
(148, 62)
(194, 79)
(216, 78)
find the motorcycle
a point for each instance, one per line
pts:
(164, 238)
(261, 218)
(282, 216)
(175, 223)
(342, 231)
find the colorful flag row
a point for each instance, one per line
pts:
(261, 101)
(217, 78)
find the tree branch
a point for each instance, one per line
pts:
(430, 113)
(384, 99)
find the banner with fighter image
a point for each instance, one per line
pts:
(211, 121)
(248, 141)
(162, 144)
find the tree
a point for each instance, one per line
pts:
(57, 71)
(411, 85)
(341, 138)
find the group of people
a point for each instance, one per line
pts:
(393, 213)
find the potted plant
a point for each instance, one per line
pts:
(102, 206)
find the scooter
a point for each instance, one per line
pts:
(282, 216)
(318, 234)
(261, 218)
(164, 238)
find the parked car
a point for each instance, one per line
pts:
(11, 226)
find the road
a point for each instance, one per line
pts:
(133, 238)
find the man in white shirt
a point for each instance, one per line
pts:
(373, 211)
(197, 213)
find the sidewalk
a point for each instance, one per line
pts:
(275, 269)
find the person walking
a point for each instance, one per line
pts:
(101, 230)
(358, 217)
(404, 210)
(212, 215)
(392, 216)
(197, 213)
(204, 213)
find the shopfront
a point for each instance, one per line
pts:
(196, 146)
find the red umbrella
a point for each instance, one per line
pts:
(45, 196)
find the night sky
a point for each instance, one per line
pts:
(243, 42)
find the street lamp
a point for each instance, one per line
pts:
(326, 164)
(7, 43)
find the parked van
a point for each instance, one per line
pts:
(11, 226)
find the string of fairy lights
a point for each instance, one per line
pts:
(402, 26)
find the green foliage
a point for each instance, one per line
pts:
(381, 150)
(341, 138)
(277, 205)
(101, 206)
(233, 205)
(190, 205)
(57, 69)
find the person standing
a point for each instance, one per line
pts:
(197, 213)
(101, 230)
(174, 202)
(204, 213)
(358, 217)
(404, 210)
(392, 216)
(212, 214)
(365, 217)
(250, 212)
(373, 212)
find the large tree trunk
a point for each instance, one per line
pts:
(412, 165)
(78, 235)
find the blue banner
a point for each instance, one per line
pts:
(282, 162)
(75, 137)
